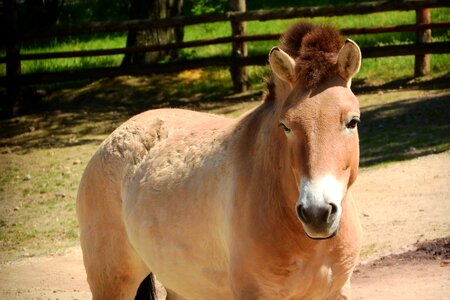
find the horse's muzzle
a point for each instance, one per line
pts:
(319, 221)
(319, 206)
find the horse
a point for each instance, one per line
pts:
(257, 207)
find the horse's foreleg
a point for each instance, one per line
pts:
(342, 294)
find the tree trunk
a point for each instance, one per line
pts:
(153, 9)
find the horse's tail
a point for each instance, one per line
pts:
(147, 289)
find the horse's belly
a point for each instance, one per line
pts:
(185, 249)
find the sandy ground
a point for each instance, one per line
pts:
(400, 204)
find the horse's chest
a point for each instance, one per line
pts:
(317, 278)
(304, 280)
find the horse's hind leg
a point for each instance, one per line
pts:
(113, 274)
(173, 296)
(147, 289)
(114, 270)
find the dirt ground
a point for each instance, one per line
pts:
(404, 209)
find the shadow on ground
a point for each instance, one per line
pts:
(411, 83)
(405, 129)
(74, 116)
(400, 130)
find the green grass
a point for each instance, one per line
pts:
(38, 215)
(52, 65)
(368, 250)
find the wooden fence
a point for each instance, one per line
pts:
(239, 58)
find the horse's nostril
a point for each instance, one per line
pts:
(302, 214)
(331, 211)
(334, 208)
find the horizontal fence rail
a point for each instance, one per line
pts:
(14, 80)
(224, 61)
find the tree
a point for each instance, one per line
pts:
(153, 9)
(239, 74)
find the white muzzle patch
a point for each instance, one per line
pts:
(319, 206)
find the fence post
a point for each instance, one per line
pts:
(12, 59)
(422, 61)
(238, 73)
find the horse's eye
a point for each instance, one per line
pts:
(286, 130)
(353, 123)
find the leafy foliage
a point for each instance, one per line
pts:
(78, 11)
(199, 7)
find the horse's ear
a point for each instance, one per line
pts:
(349, 60)
(282, 64)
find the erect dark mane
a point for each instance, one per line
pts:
(315, 50)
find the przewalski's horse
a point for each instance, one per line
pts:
(253, 208)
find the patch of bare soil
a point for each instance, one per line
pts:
(422, 273)
(403, 203)
(58, 277)
(399, 204)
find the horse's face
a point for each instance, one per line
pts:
(321, 133)
(320, 128)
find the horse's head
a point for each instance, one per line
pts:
(318, 119)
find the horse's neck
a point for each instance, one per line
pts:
(268, 182)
